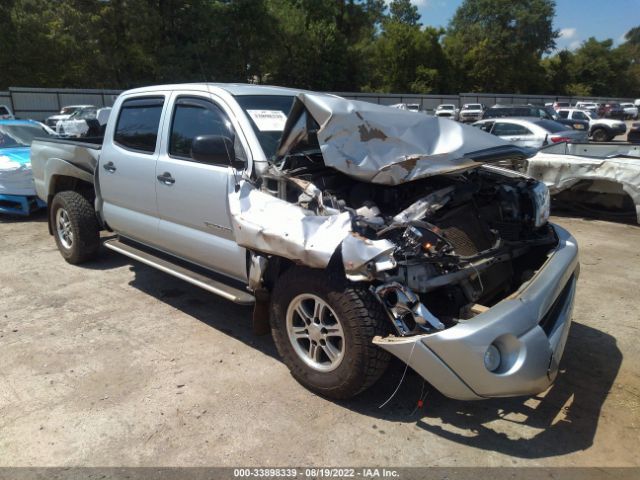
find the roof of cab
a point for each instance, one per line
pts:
(231, 88)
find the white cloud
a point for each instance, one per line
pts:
(568, 33)
(575, 44)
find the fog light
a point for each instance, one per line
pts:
(492, 358)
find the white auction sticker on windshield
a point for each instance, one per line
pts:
(268, 120)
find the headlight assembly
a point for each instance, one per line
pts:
(541, 204)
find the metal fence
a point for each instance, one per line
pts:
(39, 103)
(430, 102)
(5, 99)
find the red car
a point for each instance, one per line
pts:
(611, 110)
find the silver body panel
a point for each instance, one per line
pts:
(452, 360)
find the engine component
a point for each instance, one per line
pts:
(362, 258)
(425, 206)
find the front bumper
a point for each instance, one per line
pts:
(619, 129)
(530, 328)
(470, 117)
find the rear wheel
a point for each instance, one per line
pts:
(75, 227)
(599, 135)
(323, 329)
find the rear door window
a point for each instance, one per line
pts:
(4, 111)
(138, 124)
(509, 129)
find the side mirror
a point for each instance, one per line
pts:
(215, 149)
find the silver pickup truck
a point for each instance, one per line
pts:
(356, 230)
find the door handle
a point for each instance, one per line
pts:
(166, 178)
(109, 167)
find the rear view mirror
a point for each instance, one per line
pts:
(215, 149)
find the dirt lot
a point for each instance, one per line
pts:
(116, 364)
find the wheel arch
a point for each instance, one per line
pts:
(61, 182)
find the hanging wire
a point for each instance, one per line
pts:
(406, 367)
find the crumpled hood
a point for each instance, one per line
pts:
(15, 172)
(385, 145)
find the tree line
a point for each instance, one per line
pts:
(502, 46)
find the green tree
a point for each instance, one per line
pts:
(408, 59)
(403, 11)
(497, 45)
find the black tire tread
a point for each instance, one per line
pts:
(594, 134)
(84, 222)
(365, 315)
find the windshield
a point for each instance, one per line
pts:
(473, 106)
(68, 110)
(267, 115)
(446, 107)
(592, 115)
(83, 114)
(12, 136)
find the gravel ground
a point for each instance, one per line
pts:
(116, 364)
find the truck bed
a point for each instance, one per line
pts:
(74, 158)
(602, 151)
(602, 174)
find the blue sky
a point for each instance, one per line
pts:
(576, 20)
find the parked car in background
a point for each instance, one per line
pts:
(17, 190)
(591, 106)
(6, 113)
(630, 111)
(471, 112)
(64, 114)
(600, 129)
(84, 122)
(531, 132)
(447, 110)
(611, 110)
(634, 133)
(412, 107)
(535, 111)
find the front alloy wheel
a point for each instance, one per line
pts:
(323, 327)
(315, 332)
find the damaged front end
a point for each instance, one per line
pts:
(438, 236)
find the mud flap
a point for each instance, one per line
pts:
(260, 324)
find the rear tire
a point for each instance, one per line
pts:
(304, 302)
(75, 227)
(599, 135)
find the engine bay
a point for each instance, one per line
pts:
(435, 251)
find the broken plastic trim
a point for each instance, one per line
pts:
(405, 309)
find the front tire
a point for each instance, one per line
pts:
(75, 227)
(599, 135)
(323, 329)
